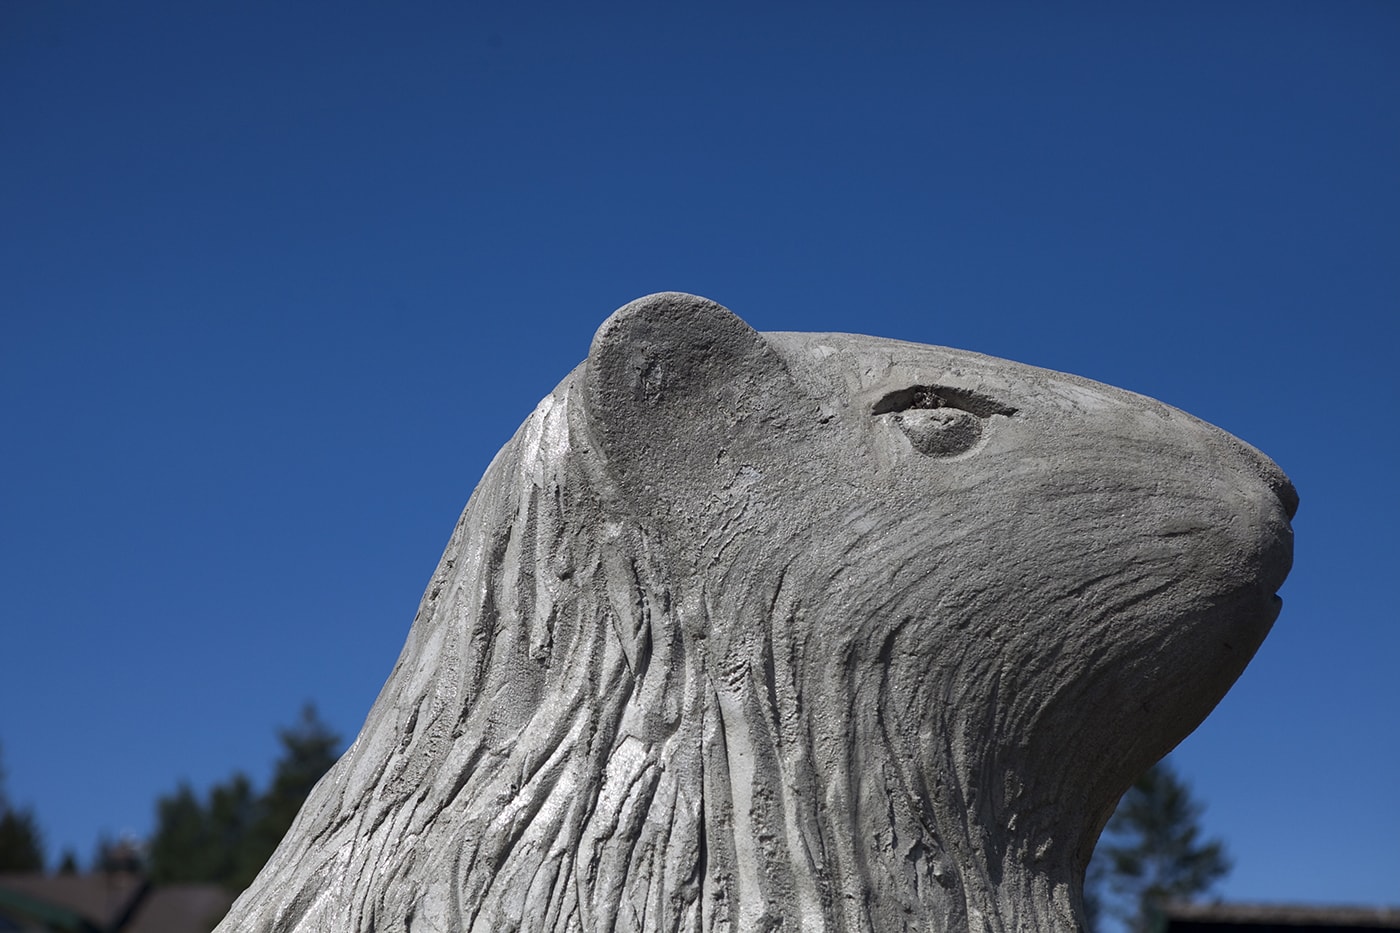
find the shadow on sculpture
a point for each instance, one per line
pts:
(753, 631)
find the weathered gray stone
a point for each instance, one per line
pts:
(792, 631)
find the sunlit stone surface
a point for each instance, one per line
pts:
(753, 631)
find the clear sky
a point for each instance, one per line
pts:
(278, 279)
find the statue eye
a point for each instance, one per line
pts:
(940, 421)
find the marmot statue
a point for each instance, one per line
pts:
(747, 632)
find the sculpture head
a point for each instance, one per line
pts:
(756, 631)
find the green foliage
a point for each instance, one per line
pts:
(229, 835)
(21, 845)
(309, 750)
(1152, 853)
(204, 840)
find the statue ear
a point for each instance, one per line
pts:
(682, 392)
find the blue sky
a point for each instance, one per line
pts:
(277, 282)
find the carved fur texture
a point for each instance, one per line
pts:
(748, 632)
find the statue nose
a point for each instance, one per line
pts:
(1276, 480)
(1283, 488)
(1268, 472)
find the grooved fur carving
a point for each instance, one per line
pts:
(749, 632)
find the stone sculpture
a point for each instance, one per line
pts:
(753, 631)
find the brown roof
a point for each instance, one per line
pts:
(106, 899)
(181, 908)
(1310, 916)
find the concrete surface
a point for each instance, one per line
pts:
(753, 631)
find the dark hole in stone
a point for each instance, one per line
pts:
(916, 397)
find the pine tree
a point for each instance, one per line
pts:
(204, 841)
(228, 836)
(21, 845)
(308, 750)
(21, 848)
(1152, 852)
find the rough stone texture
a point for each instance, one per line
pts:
(753, 631)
